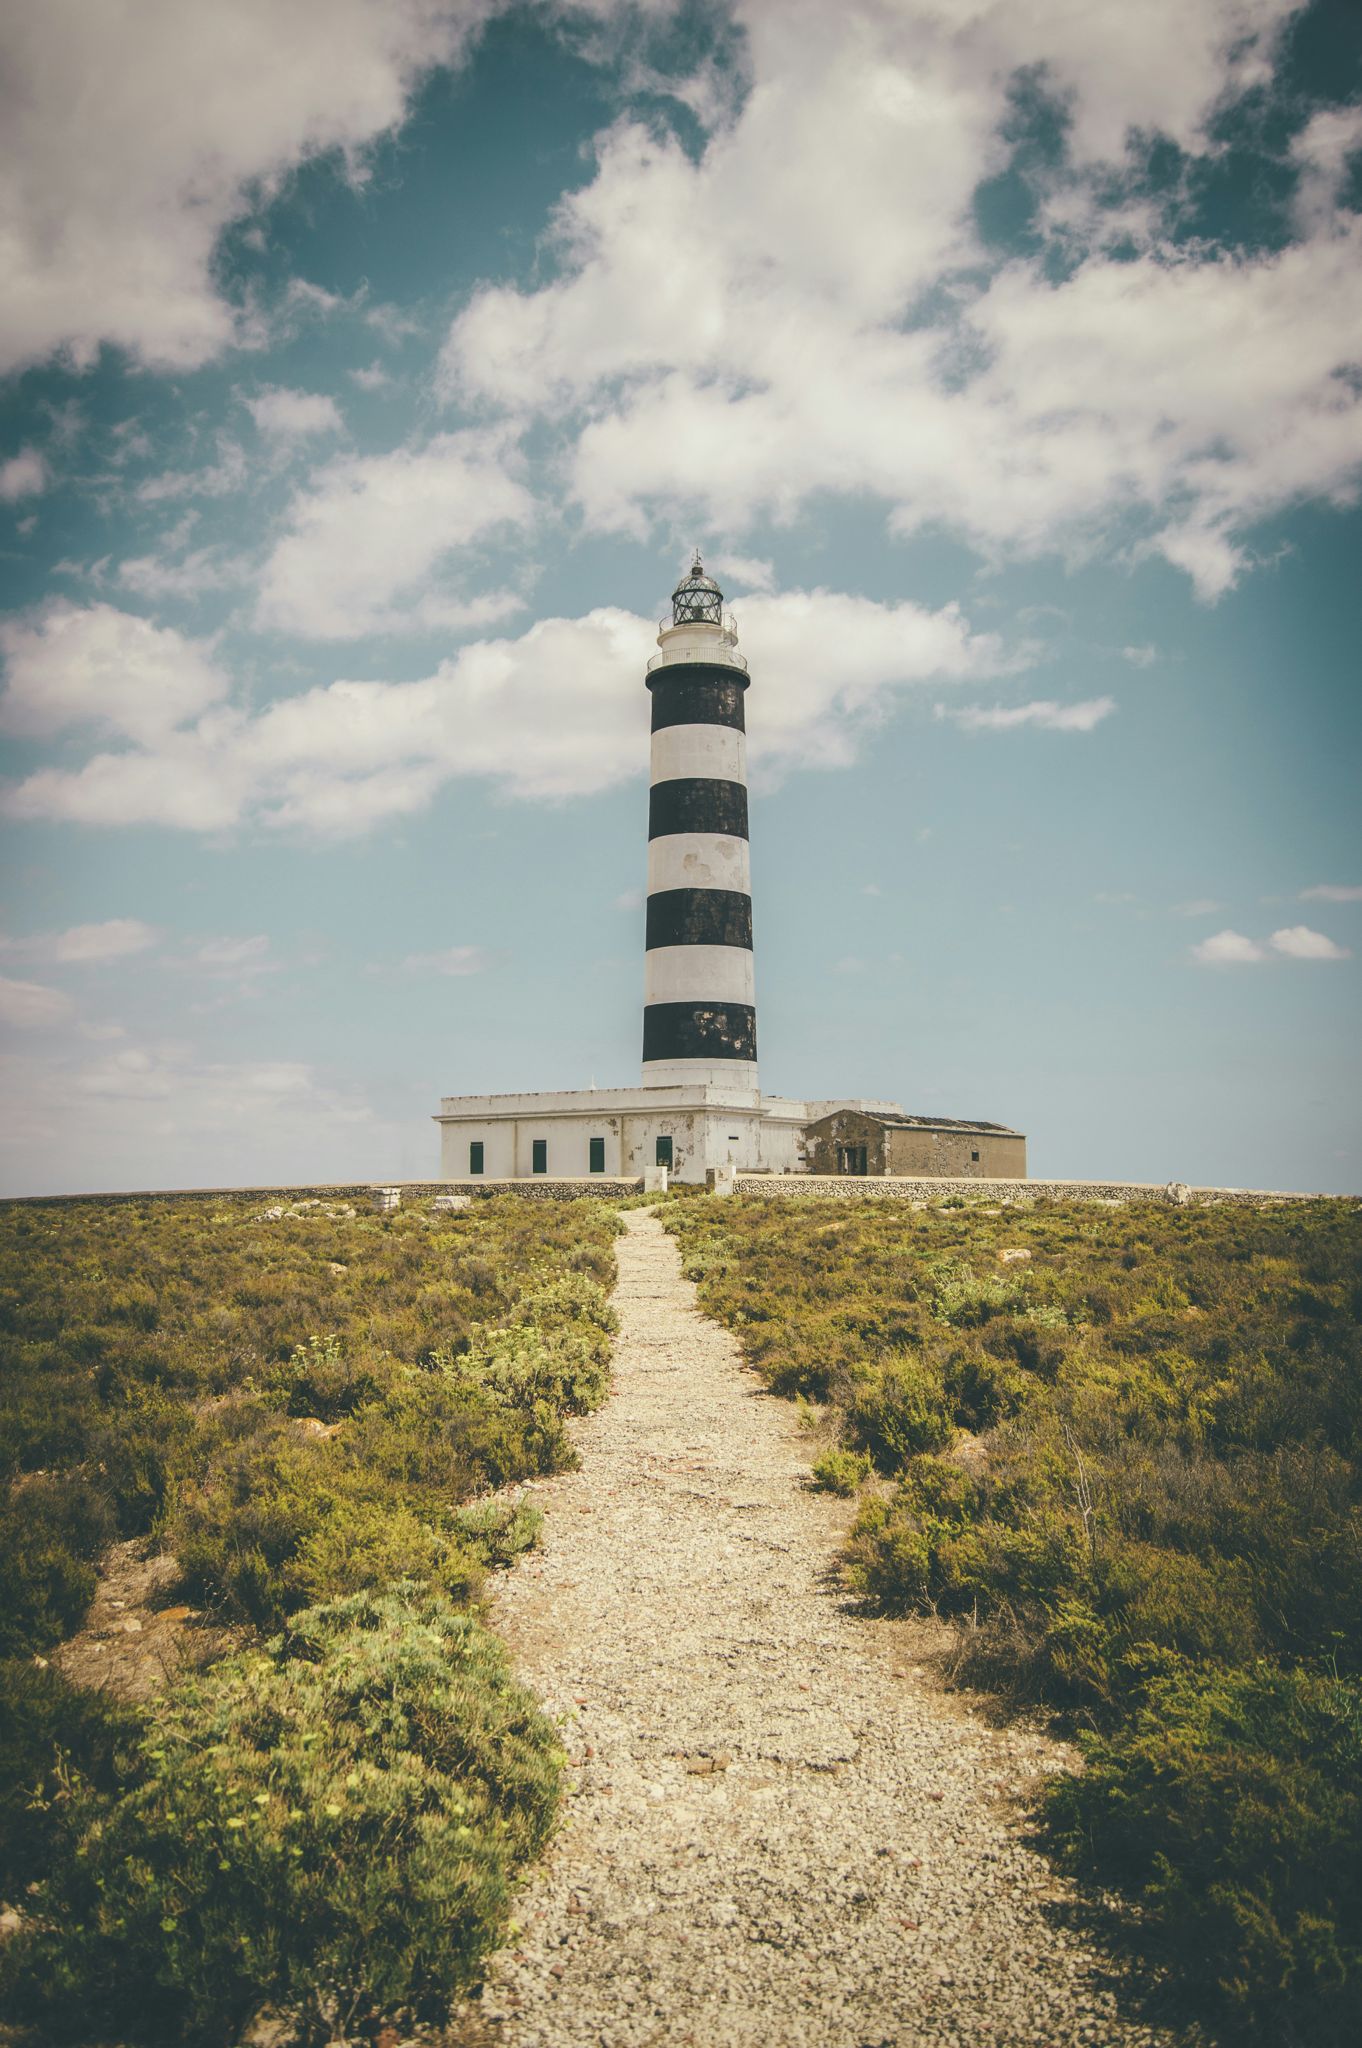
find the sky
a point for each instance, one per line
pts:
(369, 370)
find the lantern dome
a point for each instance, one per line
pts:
(697, 599)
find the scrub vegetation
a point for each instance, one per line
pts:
(1121, 1449)
(308, 1408)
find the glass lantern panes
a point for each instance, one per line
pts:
(697, 599)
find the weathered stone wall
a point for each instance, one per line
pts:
(912, 1150)
(924, 1188)
(950, 1154)
(844, 1127)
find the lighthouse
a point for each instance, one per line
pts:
(698, 1115)
(699, 1001)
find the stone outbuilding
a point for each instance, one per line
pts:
(853, 1140)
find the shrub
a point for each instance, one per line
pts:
(329, 1827)
(319, 1379)
(51, 1530)
(55, 1739)
(1230, 1804)
(841, 1471)
(898, 1410)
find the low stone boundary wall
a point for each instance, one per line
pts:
(363, 1191)
(551, 1188)
(849, 1187)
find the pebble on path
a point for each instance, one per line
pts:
(774, 1833)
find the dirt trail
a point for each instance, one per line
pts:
(778, 1833)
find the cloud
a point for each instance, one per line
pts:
(23, 476)
(156, 577)
(288, 416)
(1042, 711)
(218, 479)
(1199, 906)
(125, 163)
(367, 533)
(86, 944)
(1227, 949)
(163, 1115)
(1293, 942)
(744, 572)
(1332, 892)
(28, 1006)
(233, 959)
(374, 378)
(1140, 657)
(1322, 152)
(72, 665)
(629, 899)
(453, 960)
(1121, 385)
(1298, 942)
(559, 711)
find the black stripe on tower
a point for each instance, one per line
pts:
(699, 917)
(697, 803)
(697, 693)
(699, 1031)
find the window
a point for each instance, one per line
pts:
(598, 1155)
(662, 1155)
(975, 1157)
(539, 1155)
(475, 1156)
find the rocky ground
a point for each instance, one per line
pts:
(138, 1637)
(780, 1830)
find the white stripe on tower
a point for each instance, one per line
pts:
(699, 1016)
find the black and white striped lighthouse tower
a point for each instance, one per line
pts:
(699, 1015)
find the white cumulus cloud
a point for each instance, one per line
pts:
(452, 960)
(736, 333)
(23, 476)
(367, 534)
(85, 944)
(1041, 711)
(133, 136)
(1227, 949)
(1298, 942)
(1292, 942)
(287, 416)
(73, 665)
(29, 1006)
(559, 711)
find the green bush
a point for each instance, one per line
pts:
(55, 1741)
(841, 1471)
(329, 1827)
(51, 1531)
(1230, 1804)
(148, 1354)
(898, 1410)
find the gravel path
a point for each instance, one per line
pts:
(778, 1832)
